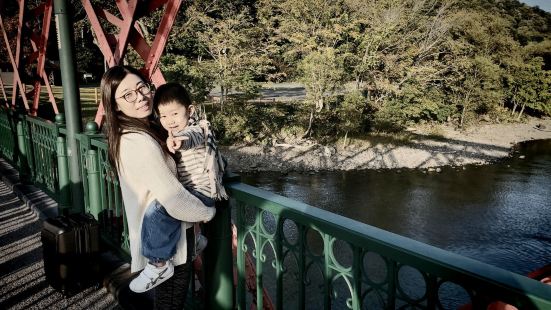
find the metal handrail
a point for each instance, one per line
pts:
(266, 220)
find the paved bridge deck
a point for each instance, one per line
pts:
(22, 281)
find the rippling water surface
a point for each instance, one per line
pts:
(499, 214)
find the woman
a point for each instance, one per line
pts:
(147, 175)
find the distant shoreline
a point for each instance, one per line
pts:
(479, 145)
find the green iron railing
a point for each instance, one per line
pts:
(31, 144)
(310, 258)
(101, 188)
(303, 257)
(8, 134)
(41, 150)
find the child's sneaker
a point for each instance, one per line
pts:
(151, 276)
(200, 245)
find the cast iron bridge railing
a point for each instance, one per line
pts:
(303, 257)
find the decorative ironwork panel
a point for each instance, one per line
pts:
(112, 208)
(7, 136)
(41, 137)
(323, 260)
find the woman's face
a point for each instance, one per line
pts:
(133, 97)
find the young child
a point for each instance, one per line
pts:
(200, 170)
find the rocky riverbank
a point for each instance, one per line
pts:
(424, 148)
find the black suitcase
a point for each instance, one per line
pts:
(71, 252)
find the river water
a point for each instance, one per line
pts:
(499, 214)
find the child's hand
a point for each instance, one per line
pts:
(173, 143)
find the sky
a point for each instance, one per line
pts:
(543, 4)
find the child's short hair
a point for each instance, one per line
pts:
(171, 92)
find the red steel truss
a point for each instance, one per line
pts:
(35, 23)
(38, 30)
(114, 46)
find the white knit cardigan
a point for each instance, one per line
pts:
(145, 174)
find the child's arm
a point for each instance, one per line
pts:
(189, 138)
(172, 144)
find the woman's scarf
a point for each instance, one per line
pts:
(214, 163)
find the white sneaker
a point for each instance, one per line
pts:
(152, 276)
(200, 245)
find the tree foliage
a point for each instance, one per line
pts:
(365, 65)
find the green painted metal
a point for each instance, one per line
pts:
(102, 189)
(260, 259)
(71, 100)
(218, 260)
(90, 170)
(84, 145)
(241, 251)
(40, 139)
(21, 149)
(337, 262)
(93, 176)
(7, 135)
(111, 198)
(64, 201)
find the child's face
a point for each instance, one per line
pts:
(174, 116)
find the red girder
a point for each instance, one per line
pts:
(3, 91)
(114, 46)
(17, 84)
(41, 73)
(16, 80)
(38, 41)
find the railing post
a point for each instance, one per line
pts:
(93, 175)
(22, 151)
(240, 258)
(218, 265)
(62, 169)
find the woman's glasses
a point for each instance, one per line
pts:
(132, 96)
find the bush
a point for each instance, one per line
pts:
(250, 122)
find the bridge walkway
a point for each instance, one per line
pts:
(22, 281)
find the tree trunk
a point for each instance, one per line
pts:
(514, 107)
(462, 116)
(521, 110)
(320, 104)
(344, 142)
(309, 130)
(222, 99)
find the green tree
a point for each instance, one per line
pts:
(322, 75)
(229, 42)
(395, 36)
(475, 87)
(529, 87)
(350, 113)
(194, 75)
(311, 25)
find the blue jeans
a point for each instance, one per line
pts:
(161, 232)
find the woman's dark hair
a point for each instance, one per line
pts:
(116, 121)
(171, 92)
